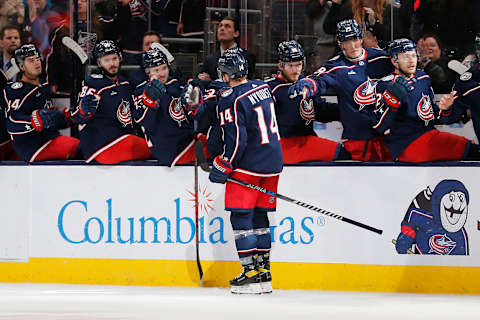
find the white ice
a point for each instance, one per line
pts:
(85, 302)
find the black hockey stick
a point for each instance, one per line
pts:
(205, 167)
(197, 244)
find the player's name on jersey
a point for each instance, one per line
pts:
(259, 95)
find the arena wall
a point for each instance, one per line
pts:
(133, 224)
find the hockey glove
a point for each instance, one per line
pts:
(405, 239)
(307, 111)
(88, 106)
(191, 99)
(153, 91)
(305, 87)
(45, 119)
(396, 91)
(220, 171)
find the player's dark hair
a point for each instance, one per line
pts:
(236, 25)
(152, 33)
(9, 27)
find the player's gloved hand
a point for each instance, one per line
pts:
(305, 87)
(88, 106)
(405, 239)
(220, 171)
(396, 91)
(153, 91)
(44, 119)
(191, 98)
(307, 111)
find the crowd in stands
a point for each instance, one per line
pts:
(128, 28)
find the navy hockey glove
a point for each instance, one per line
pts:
(153, 91)
(396, 91)
(44, 119)
(88, 106)
(305, 87)
(191, 99)
(405, 239)
(220, 171)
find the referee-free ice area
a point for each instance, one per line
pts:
(88, 302)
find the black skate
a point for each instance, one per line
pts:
(264, 273)
(247, 282)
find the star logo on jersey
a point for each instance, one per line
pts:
(205, 199)
(38, 94)
(441, 244)
(365, 94)
(123, 113)
(425, 109)
(28, 127)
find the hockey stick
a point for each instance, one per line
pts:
(457, 66)
(156, 45)
(75, 47)
(204, 165)
(13, 70)
(197, 243)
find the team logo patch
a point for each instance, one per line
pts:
(227, 92)
(466, 76)
(123, 113)
(96, 76)
(441, 244)
(365, 94)
(17, 85)
(425, 109)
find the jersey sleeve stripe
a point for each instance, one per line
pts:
(381, 119)
(256, 173)
(28, 95)
(470, 91)
(174, 162)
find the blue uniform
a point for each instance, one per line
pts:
(415, 116)
(21, 99)
(167, 129)
(246, 114)
(112, 120)
(290, 122)
(354, 84)
(468, 95)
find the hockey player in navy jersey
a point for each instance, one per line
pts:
(252, 153)
(467, 91)
(352, 75)
(32, 121)
(168, 131)
(407, 113)
(295, 116)
(104, 112)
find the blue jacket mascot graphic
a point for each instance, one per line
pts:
(434, 222)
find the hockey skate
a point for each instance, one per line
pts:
(247, 282)
(264, 273)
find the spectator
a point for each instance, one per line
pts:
(32, 121)
(131, 22)
(10, 40)
(227, 33)
(192, 15)
(12, 12)
(105, 109)
(325, 47)
(434, 63)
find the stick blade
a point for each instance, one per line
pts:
(457, 66)
(75, 47)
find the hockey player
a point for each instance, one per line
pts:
(105, 110)
(252, 153)
(352, 76)
(32, 121)
(467, 89)
(407, 113)
(169, 133)
(295, 116)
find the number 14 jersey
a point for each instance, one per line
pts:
(246, 114)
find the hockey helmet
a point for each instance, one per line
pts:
(104, 48)
(290, 51)
(233, 63)
(348, 30)
(401, 45)
(152, 58)
(25, 51)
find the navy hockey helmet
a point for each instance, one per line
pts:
(477, 44)
(290, 51)
(152, 58)
(104, 48)
(233, 63)
(348, 30)
(401, 45)
(25, 51)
